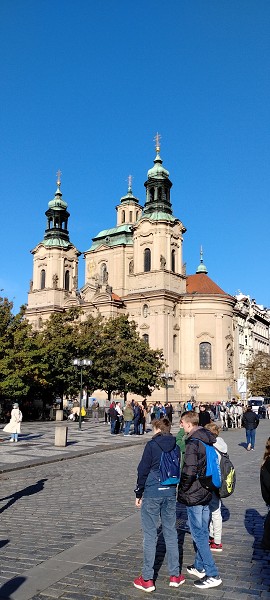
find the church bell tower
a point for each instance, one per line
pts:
(55, 269)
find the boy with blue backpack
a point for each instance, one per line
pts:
(158, 476)
(199, 477)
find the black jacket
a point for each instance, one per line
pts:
(190, 491)
(265, 481)
(204, 418)
(250, 420)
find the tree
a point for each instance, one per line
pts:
(125, 361)
(21, 369)
(58, 343)
(258, 374)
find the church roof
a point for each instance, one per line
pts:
(200, 283)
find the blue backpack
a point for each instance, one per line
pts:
(169, 467)
(212, 479)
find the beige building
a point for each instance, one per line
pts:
(136, 267)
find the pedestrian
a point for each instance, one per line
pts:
(169, 411)
(14, 425)
(118, 408)
(128, 417)
(197, 498)
(215, 524)
(137, 418)
(157, 501)
(265, 489)
(113, 417)
(95, 412)
(204, 416)
(250, 423)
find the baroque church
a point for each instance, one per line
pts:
(136, 267)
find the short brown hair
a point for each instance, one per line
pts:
(163, 424)
(191, 417)
(215, 429)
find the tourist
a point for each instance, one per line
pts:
(197, 499)
(157, 501)
(215, 525)
(14, 425)
(250, 423)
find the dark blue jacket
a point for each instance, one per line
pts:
(148, 484)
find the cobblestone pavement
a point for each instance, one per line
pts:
(69, 529)
(36, 443)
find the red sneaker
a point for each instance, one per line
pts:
(176, 581)
(215, 547)
(146, 586)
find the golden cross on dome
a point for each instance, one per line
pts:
(58, 180)
(157, 139)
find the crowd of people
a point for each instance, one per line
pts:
(138, 415)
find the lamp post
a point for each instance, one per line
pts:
(167, 377)
(81, 362)
(193, 387)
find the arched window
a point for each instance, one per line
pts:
(152, 194)
(205, 355)
(123, 216)
(137, 215)
(147, 260)
(160, 193)
(145, 310)
(173, 261)
(175, 343)
(67, 280)
(146, 338)
(42, 279)
(130, 216)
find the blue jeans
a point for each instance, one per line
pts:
(113, 423)
(127, 427)
(198, 518)
(153, 509)
(250, 435)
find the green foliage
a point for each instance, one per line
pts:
(258, 374)
(40, 364)
(21, 369)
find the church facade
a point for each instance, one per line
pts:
(136, 267)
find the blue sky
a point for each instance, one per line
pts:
(86, 84)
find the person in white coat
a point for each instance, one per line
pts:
(215, 524)
(14, 425)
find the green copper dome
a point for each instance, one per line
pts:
(201, 268)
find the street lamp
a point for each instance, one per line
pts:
(81, 362)
(167, 377)
(193, 387)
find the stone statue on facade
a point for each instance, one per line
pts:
(55, 281)
(162, 261)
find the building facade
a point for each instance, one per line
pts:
(136, 267)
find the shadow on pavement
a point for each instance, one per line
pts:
(225, 512)
(254, 524)
(10, 586)
(243, 444)
(30, 436)
(28, 491)
(3, 543)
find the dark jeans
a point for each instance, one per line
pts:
(250, 435)
(198, 518)
(137, 426)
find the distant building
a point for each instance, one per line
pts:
(136, 267)
(252, 323)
